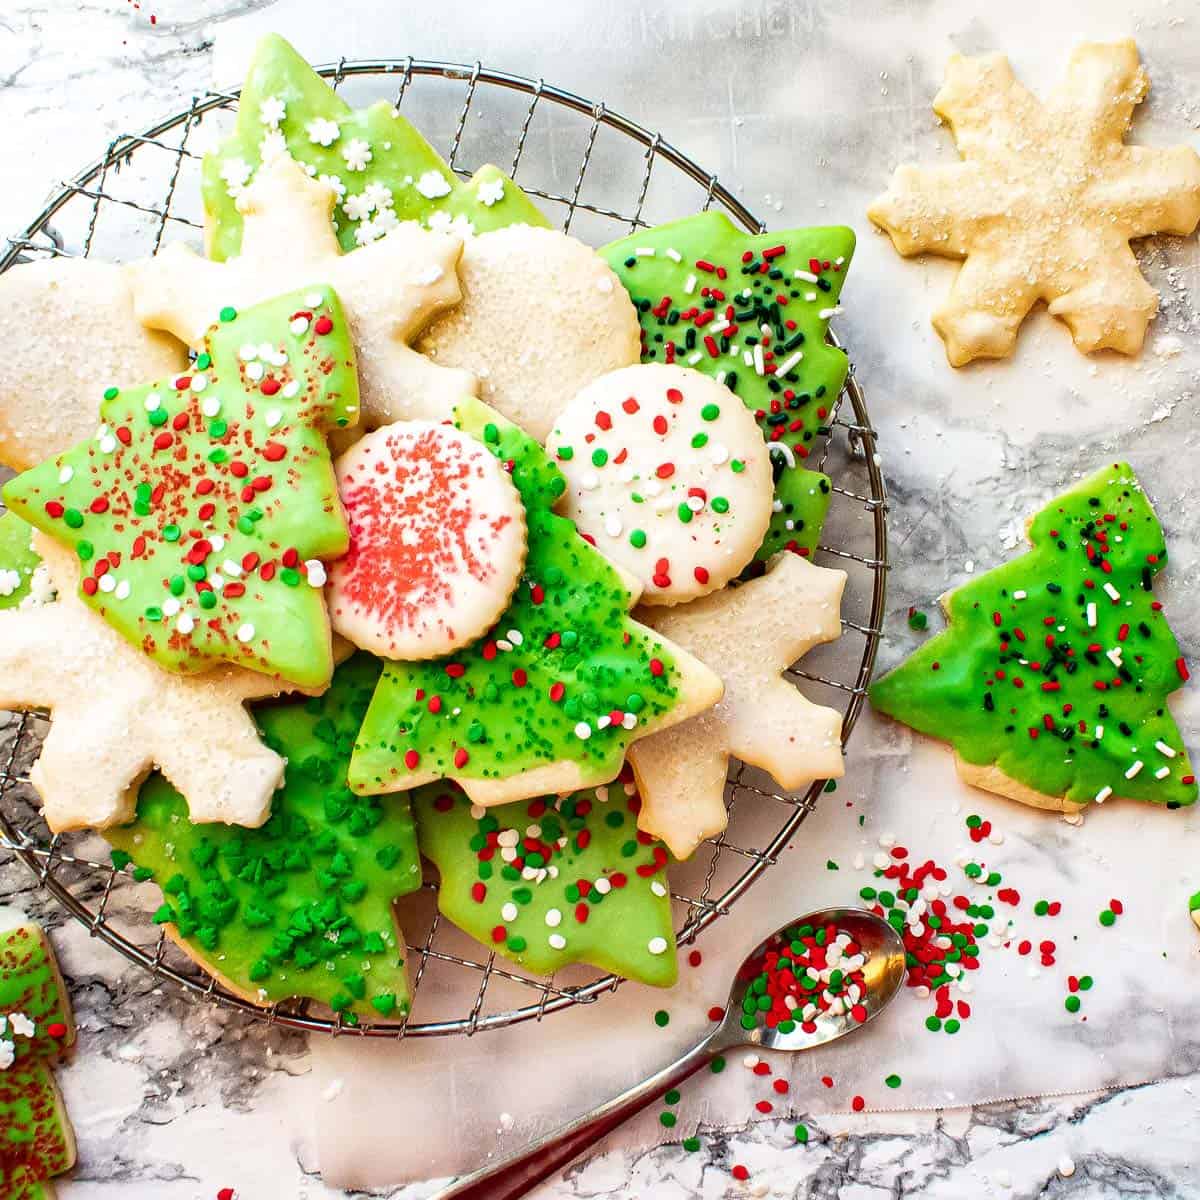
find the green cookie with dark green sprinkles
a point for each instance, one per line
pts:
(1051, 681)
(302, 906)
(382, 169)
(752, 311)
(553, 881)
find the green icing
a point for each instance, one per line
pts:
(404, 179)
(302, 906)
(30, 987)
(696, 278)
(562, 847)
(17, 561)
(196, 507)
(1066, 698)
(35, 1140)
(495, 708)
(801, 502)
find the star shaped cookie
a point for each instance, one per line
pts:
(762, 719)
(62, 321)
(1044, 203)
(389, 289)
(116, 715)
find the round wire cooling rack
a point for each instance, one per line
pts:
(121, 207)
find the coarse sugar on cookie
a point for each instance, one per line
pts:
(437, 541)
(1052, 677)
(668, 476)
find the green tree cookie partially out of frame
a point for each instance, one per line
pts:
(302, 906)
(565, 675)
(18, 561)
(555, 880)
(383, 169)
(1057, 665)
(752, 311)
(201, 509)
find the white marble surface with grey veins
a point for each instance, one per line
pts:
(803, 107)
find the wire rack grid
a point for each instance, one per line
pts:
(73, 869)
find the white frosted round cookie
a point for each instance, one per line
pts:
(541, 316)
(437, 541)
(668, 474)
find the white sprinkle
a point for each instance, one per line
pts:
(314, 299)
(107, 583)
(629, 721)
(557, 941)
(603, 886)
(807, 276)
(657, 945)
(298, 326)
(245, 632)
(717, 326)
(1066, 1166)
(185, 624)
(673, 254)
(508, 837)
(290, 389)
(433, 184)
(490, 191)
(689, 285)
(199, 383)
(789, 363)
(478, 812)
(515, 636)
(759, 366)
(1091, 614)
(603, 722)
(693, 359)
(272, 111)
(217, 580)
(1020, 594)
(1113, 594)
(1163, 748)
(66, 475)
(108, 443)
(254, 371)
(613, 526)
(644, 252)
(826, 313)
(1137, 766)
(657, 888)
(583, 731)
(357, 154)
(123, 589)
(170, 606)
(554, 918)
(322, 132)
(1114, 656)
(272, 417)
(1162, 772)
(509, 912)
(211, 405)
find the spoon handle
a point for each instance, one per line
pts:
(513, 1176)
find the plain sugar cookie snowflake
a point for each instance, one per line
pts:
(1044, 203)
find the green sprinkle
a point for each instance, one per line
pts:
(691, 1144)
(599, 457)
(662, 1018)
(737, 466)
(491, 433)
(566, 453)
(699, 441)
(203, 362)
(667, 1119)
(933, 1024)
(953, 1025)
(1042, 907)
(120, 860)
(171, 533)
(685, 514)
(918, 621)
(1108, 917)
(672, 1097)
(710, 412)
(802, 1134)
(1085, 983)
(637, 539)
(73, 518)
(830, 865)
(85, 550)
(717, 1065)
(1072, 1004)
(228, 313)
(719, 504)
(111, 393)
(892, 1081)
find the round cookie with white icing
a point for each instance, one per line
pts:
(668, 475)
(437, 541)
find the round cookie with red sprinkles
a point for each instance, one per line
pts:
(668, 476)
(437, 541)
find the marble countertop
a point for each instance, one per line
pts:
(803, 106)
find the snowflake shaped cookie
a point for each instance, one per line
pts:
(1044, 203)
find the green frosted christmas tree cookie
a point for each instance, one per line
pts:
(202, 509)
(383, 170)
(550, 699)
(554, 880)
(1051, 681)
(20, 579)
(36, 1141)
(302, 906)
(752, 311)
(35, 1012)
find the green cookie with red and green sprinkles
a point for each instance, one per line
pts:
(381, 168)
(205, 505)
(303, 905)
(1051, 681)
(752, 311)
(550, 698)
(554, 880)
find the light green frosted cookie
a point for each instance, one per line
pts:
(555, 880)
(550, 699)
(383, 169)
(1051, 681)
(19, 563)
(302, 906)
(202, 509)
(752, 311)
(36, 1141)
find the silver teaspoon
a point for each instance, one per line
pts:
(870, 961)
